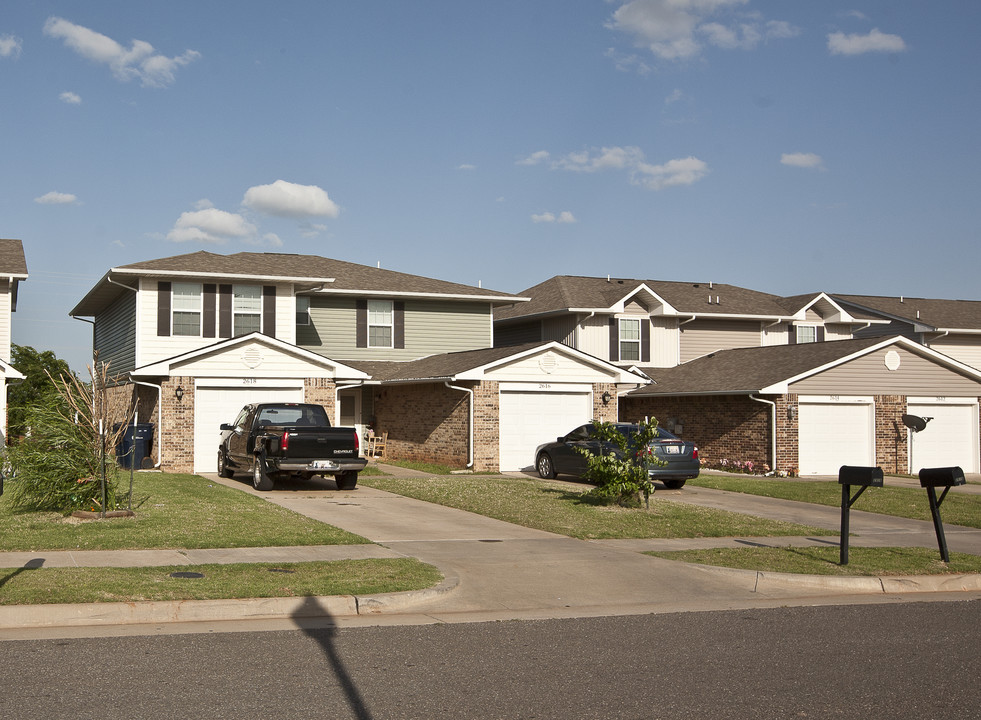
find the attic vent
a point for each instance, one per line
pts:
(548, 363)
(252, 357)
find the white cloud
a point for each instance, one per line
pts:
(841, 44)
(565, 217)
(286, 199)
(203, 204)
(10, 46)
(56, 198)
(70, 98)
(673, 29)
(140, 61)
(802, 160)
(535, 158)
(681, 171)
(674, 97)
(466, 166)
(211, 226)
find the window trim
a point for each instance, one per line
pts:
(390, 325)
(634, 342)
(239, 312)
(797, 334)
(175, 308)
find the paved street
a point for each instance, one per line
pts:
(915, 660)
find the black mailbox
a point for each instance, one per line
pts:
(860, 475)
(946, 478)
(941, 477)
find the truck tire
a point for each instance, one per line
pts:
(261, 480)
(223, 469)
(346, 481)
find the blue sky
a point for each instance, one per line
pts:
(784, 147)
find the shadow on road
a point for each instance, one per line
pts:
(316, 622)
(29, 565)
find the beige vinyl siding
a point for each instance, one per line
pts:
(702, 337)
(594, 335)
(778, 334)
(153, 348)
(868, 375)
(837, 331)
(665, 348)
(5, 310)
(965, 348)
(518, 334)
(115, 334)
(431, 326)
(561, 330)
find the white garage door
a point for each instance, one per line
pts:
(530, 418)
(832, 434)
(950, 438)
(216, 405)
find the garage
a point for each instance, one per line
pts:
(950, 437)
(835, 431)
(218, 401)
(533, 413)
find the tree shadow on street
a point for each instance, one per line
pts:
(317, 623)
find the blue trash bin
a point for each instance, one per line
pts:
(134, 445)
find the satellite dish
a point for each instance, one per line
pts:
(915, 423)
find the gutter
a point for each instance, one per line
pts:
(773, 427)
(470, 440)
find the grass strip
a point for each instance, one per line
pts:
(874, 562)
(957, 509)
(240, 580)
(172, 511)
(564, 508)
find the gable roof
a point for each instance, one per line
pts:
(770, 369)
(565, 293)
(473, 364)
(925, 314)
(312, 272)
(12, 261)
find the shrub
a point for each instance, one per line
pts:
(621, 474)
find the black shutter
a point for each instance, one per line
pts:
(820, 333)
(209, 310)
(361, 332)
(269, 310)
(224, 311)
(399, 321)
(645, 340)
(614, 339)
(793, 335)
(163, 309)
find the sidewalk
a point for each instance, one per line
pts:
(495, 570)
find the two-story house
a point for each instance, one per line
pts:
(13, 270)
(192, 338)
(802, 384)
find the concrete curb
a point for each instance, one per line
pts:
(763, 582)
(156, 612)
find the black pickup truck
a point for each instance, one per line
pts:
(274, 440)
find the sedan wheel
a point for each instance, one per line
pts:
(545, 468)
(674, 484)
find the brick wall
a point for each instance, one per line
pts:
(730, 427)
(177, 433)
(321, 391)
(487, 427)
(425, 423)
(610, 411)
(891, 438)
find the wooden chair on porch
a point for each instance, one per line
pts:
(378, 446)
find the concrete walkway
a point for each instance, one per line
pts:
(496, 570)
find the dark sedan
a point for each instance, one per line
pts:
(679, 458)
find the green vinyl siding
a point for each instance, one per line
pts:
(431, 326)
(115, 334)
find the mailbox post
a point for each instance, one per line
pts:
(931, 479)
(862, 477)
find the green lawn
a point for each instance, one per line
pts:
(562, 508)
(174, 511)
(957, 508)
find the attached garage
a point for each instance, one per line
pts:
(218, 401)
(536, 413)
(950, 437)
(833, 432)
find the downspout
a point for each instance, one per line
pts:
(337, 398)
(470, 441)
(773, 428)
(159, 416)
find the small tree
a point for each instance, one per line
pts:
(621, 471)
(42, 370)
(67, 462)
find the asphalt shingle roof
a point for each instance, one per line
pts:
(12, 261)
(436, 367)
(943, 314)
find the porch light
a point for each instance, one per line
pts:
(606, 398)
(179, 393)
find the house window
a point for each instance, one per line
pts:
(302, 310)
(380, 323)
(246, 309)
(806, 334)
(186, 307)
(629, 339)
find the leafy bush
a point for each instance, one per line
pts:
(621, 475)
